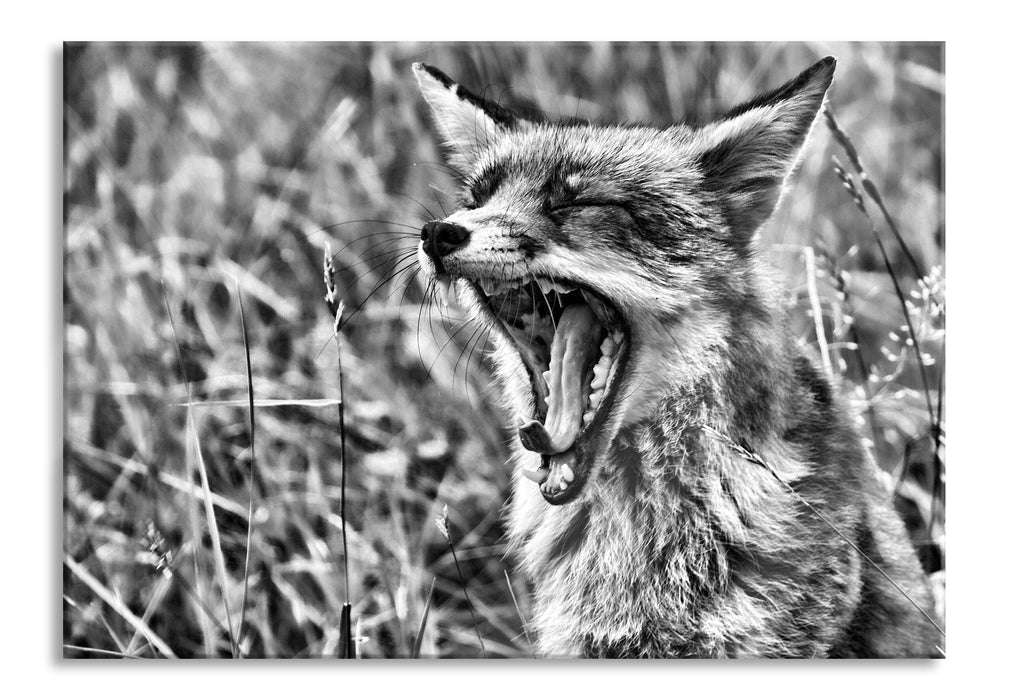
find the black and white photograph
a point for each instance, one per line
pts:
(487, 350)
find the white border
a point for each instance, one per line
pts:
(977, 234)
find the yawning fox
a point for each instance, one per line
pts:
(671, 439)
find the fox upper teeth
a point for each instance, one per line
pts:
(492, 287)
(551, 286)
(495, 287)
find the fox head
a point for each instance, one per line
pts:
(605, 259)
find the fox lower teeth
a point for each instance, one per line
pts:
(550, 286)
(601, 376)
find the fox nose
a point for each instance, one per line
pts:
(440, 238)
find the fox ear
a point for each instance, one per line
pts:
(747, 156)
(466, 121)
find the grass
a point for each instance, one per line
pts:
(203, 394)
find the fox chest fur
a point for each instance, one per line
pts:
(685, 482)
(681, 547)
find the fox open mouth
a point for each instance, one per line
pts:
(573, 343)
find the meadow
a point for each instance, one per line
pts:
(203, 187)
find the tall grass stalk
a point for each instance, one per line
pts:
(443, 525)
(869, 186)
(346, 644)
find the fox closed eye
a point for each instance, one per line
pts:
(557, 211)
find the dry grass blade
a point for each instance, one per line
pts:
(102, 652)
(171, 574)
(423, 621)
(215, 535)
(252, 466)
(192, 438)
(522, 619)
(157, 598)
(937, 473)
(105, 623)
(132, 466)
(113, 602)
(194, 526)
(814, 303)
(268, 403)
(754, 458)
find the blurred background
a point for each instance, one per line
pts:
(202, 184)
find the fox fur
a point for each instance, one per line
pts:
(679, 546)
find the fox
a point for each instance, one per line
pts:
(686, 481)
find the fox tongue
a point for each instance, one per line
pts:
(574, 346)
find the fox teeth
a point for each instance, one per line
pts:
(567, 473)
(493, 287)
(588, 416)
(444, 289)
(551, 286)
(595, 398)
(607, 346)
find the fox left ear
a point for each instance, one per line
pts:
(746, 157)
(466, 121)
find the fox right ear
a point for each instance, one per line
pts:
(746, 156)
(466, 121)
